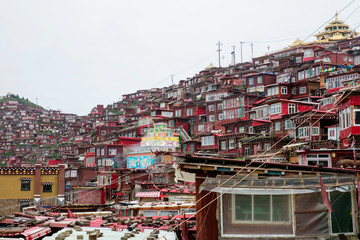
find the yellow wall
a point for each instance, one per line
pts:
(49, 197)
(10, 187)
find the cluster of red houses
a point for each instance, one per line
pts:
(297, 106)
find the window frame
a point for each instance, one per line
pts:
(25, 185)
(252, 221)
(251, 81)
(232, 143)
(291, 106)
(47, 190)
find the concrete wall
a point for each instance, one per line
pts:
(9, 206)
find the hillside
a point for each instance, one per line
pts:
(21, 100)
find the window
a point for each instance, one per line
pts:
(291, 108)
(24, 203)
(47, 187)
(112, 152)
(149, 213)
(171, 123)
(241, 129)
(200, 127)
(211, 107)
(189, 112)
(207, 140)
(103, 133)
(223, 145)
(275, 108)
(301, 75)
(260, 208)
(178, 113)
(302, 90)
(259, 79)
(251, 81)
(247, 151)
(220, 106)
(167, 212)
(211, 118)
(283, 90)
(251, 129)
(267, 146)
(298, 59)
(308, 53)
(345, 118)
(293, 90)
(303, 132)
(102, 152)
(356, 117)
(221, 117)
(277, 126)
(289, 124)
(231, 143)
(316, 159)
(25, 184)
(315, 131)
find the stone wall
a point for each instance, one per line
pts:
(9, 206)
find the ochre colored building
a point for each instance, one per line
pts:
(23, 187)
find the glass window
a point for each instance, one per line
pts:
(277, 126)
(223, 145)
(259, 79)
(178, 113)
(251, 81)
(283, 90)
(47, 188)
(112, 151)
(231, 143)
(261, 208)
(211, 118)
(315, 131)
(275, 108)
(241, 129)
(25, 185)
(357, 117)
(316, 159)
(189, 112)
(291, 107)
(302, 90)
(221, 117)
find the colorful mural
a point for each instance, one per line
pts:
(140, 161)
(161, 138)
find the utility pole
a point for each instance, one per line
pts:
(252, 50)
(241, 43)
(172, 79)
(233, 54)
(219, 50)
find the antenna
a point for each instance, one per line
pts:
(252, 50)
(219, 50)
(241, 43)
(172, 79)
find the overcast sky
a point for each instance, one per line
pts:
(72, 55)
